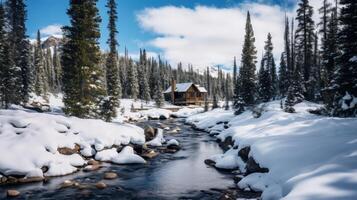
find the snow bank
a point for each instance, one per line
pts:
(156, 113)
(173, 142)
(186, 112)
(131, 110)
(207, 120)
(30, 141)
(158, 140)
(126, 156)
(308, 156)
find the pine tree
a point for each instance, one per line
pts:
(82, 76)
(288, 54)
(159, 96)
(264, 83)
(112, 71)
(247, 71)
(133, 80)
(7, 71)
(227, 93)
(325, 12)
(235, 73)
(215, 101)
(206, 104)
(295, 91)
(143, 77)
(290, 101)
(41, 82)
(330, 52)
(19, 48)
(304, 39)
(50, 73)
(345, 82)
(208, 82)
(283, 76)
(57, 69)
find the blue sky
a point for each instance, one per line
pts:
(134, 33)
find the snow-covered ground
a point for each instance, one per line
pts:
(308, 156)
(30, 141)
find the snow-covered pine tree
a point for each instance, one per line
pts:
(267, 73)
(345, 82)
(215, 101)
(158, 96)
(41, 82)
(304, 39)
(290, 101)
(113, 89)
(330, 52)
(133, 83)
(235, 72)
(325, 12)
(144, 83)
(247, 71)
(19, 48)
(49, 69)
(296, 88)
(82, 75)
(283, 76)
(208, 82)
(7, 71)
(206, 103)
(287, 55)
(227, 93)
(57, 70)
(264, 83)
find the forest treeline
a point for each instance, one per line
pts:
(319, 64)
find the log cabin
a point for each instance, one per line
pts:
(185, 94)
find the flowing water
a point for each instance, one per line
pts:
(182, 175)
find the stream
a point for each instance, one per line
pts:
(182, 175)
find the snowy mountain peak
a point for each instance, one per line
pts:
(51, 41)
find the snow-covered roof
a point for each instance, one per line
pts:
(201, 89)
(183, 87)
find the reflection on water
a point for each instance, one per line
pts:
(169, 176)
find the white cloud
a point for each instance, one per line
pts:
(206, 36)
(53, 29)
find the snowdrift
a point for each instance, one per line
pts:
(308, 156)
(30, 141)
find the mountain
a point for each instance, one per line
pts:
(52, 41)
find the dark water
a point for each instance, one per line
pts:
(182, 175)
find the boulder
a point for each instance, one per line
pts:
(244, 153)
(12, 180)
(91, 168)
(227, 143)
(30, 179)
(93, 162)
(163, 126)
(110, 175)
(149, 154)
(173, 145)
(139, 149)
(67, 183)
(253, 167)
(237, 178)
(12, 193)
(101, 185)
(68, 151)
(210, 162)
(3, 179)
(150, 133)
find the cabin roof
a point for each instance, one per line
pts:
(183, 87)
(201, 89)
